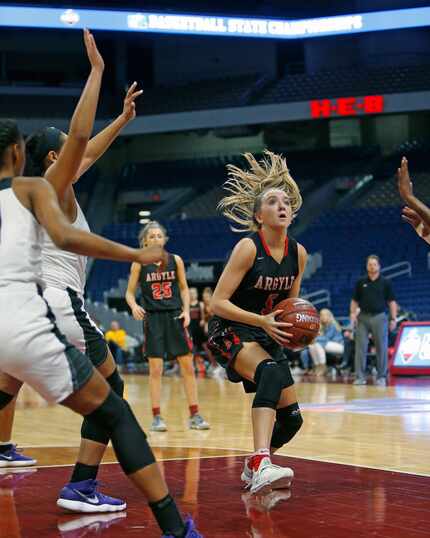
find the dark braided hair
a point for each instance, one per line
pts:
(38, 145)
(9, 135)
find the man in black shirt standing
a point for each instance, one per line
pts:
(372, 295)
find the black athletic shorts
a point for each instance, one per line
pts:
(76, 324)
(165, 334)
(226, 340)
(197, 334)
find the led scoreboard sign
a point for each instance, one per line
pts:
(346, 106)
(183, 23)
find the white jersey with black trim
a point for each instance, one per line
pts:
(61, 269)
(20, 242)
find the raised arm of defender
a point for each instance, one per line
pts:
(63, 172)
(98, 145)
(42, 199)
(416, 213)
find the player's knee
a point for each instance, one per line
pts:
(110, 413)
(5, 399)
(155, 371)
(188, 369)
(128, 438)
(94, 431)
(268, 378)
(116, 382)
(288, 422)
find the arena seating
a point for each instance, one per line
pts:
(193, 239)
(299, 87)
(347, 237)
(252, 89)
(384, 194)
(85, 186)
(41, 105)
(207, 94)
(206, 175)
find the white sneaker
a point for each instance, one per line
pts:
(246, 475)
(219, 372)
(360, 381)
(269, 476)
(158, 424)
(197, 422)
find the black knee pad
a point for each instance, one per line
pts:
(128, 438)
(5, 399)
(93, 431)
(116, 382)
(288, 422)
(268, 378)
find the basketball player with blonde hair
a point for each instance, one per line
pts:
(166, 315)
(264, 268)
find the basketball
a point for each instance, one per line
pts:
(305, 319)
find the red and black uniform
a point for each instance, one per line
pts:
(161, 299)
(266, 284)
(195, 328)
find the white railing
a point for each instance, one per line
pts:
(397, 269)
(319, 297)
(315, 262)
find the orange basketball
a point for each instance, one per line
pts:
(305, 319)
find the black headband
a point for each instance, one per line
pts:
(51, 141)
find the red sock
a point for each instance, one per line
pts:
(194, 409)
(254, 462)
(156, 411)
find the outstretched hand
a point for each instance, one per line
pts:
(404, 181)
(154, 254)
(94, 55)
(412, 217)
(129, 110)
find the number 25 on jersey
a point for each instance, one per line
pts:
(161, 290)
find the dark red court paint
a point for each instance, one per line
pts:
(326, 501)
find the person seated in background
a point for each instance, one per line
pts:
(305, 360)
(117, 341)
(330, 340)
(347, 363)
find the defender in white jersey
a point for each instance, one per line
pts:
(62, 159)
(64, 274)
(33, 349)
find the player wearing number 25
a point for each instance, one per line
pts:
(166, 313)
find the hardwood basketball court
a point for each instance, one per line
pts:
(367, 429)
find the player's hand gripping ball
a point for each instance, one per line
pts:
(305, 319)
